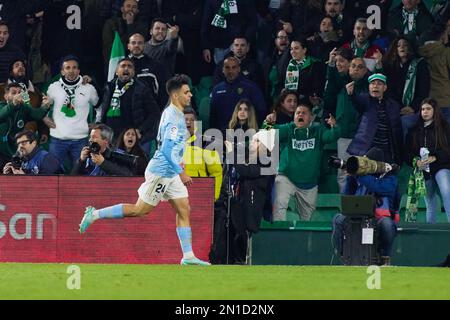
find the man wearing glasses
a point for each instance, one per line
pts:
(30, 158)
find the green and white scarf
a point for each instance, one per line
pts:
(293, 72)
(68, 107)
(407, 26)
(359, 52)
(410, 84)
(227, 7)
(114, 109)
(416, 188)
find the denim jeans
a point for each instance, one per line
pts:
(387, 230)
(63, 148)
(441, 181)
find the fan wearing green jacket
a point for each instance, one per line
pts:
(14, 113)
(299, 168)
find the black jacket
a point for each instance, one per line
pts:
(367, 128)
(421, 136)
(144, 109)
(110, 167)
(155, 75)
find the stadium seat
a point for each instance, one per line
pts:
(203, 112)
(421, 212)
(328, 204)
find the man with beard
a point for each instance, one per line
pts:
(127, 24)
(360, 44)
(128, 102)
(299, 168)
(73, 103)
(335, 10)
(18, 74)
(152, 72)
(163, 44)
(8, 52)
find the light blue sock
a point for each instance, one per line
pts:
(185, 236)
(113, 212)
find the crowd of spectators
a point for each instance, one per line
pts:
(301, 65)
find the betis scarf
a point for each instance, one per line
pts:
(416, 188)
(293, 72)
(68, 107)
(227, 7)
(114, 109)
(409, 21)
(410, 84)
(359, 52)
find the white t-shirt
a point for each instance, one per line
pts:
(72, 128)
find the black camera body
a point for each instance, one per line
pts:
(17, 160)
(94, 148)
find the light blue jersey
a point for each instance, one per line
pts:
(171, 139)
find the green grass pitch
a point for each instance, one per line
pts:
(167, 282)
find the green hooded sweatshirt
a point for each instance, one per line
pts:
(300, 160)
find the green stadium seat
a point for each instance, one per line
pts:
(203, 112)
(328, 204)
(421, 212)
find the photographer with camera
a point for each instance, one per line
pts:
(97, 159)
(370, 175)
(30, 159)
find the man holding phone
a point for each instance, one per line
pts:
(163, 44)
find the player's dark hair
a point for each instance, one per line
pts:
(176, 82)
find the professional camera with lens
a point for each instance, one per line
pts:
(361, 166)
(94, 148)
(125, 159)
(17, 161)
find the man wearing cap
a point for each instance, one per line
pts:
(380, 124)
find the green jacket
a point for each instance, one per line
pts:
(347, 117)
(12, 121)
(335, 83)
(300, 160)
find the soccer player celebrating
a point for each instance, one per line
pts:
(164, 177)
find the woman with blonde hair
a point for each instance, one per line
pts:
(244, 116)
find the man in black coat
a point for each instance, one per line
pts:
(128, 102)
(149, 70)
